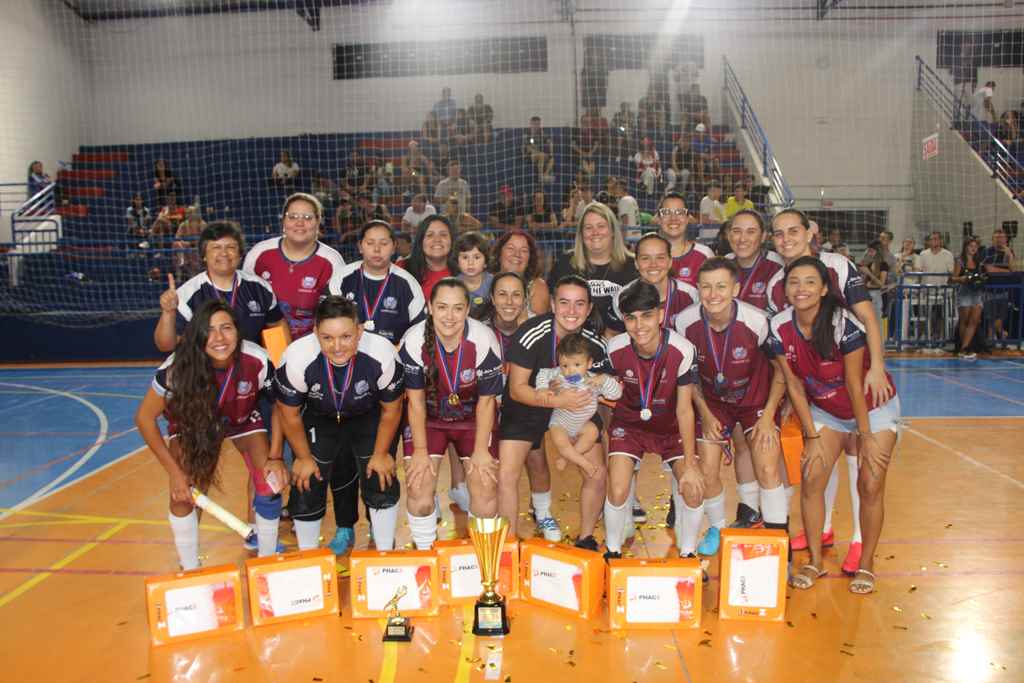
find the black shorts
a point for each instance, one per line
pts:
(526, 423)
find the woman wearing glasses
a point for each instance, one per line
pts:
(296, 265)
(687, 255)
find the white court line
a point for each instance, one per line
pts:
(972, 388)
(1011, 379)
(31, 403)
(101, 438)
(967, 458)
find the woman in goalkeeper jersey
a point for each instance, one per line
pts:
(208, 391)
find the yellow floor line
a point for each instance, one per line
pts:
(468, 646)
(389, 663)
(91, 519)
(59, 564)
(53, 522)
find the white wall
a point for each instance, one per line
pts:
(43, 106)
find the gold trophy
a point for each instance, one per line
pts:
(488, 534)
(397, 627)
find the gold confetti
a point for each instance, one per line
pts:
(912, 588)
(651, 526)
(571, 663)
(707, 633)
(814, 615)
(790, 624)
(553, 650)
(848, 645)
(492, 665)
(925, 616)
(491, 647)
(568, 627)
(942, 565)
(670, 647)
(508, 679)
(444, 523)
(924, 568)
(949, 526)
(660, 666)
(844, 652)
(348, 628)
(901, 628)
(704, 643)
(897, 608)
(890, 557)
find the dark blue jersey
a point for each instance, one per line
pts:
(251, 297)
(388, 305)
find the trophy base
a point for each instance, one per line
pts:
(490, 620)
(398, 630)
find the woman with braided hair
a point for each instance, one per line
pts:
(208, 390)
(453, 375)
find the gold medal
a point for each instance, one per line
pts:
(453, 400)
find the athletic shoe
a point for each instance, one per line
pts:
(611, 555)
(747, 518)
(251, 543)
(969, 356)
(709, 544)
(639, 514)
(549, 527)
(852, 561)
(670, 518)
(460, 498)
(799, 542)
(703, 571)
(343, 539)
(587, 543)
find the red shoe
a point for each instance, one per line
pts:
(828, 539)
(852, 561)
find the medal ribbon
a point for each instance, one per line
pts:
(719, 365)
(647, 392)
(349, 372)
(371, 311)
(750, 271)
(234, 290)
(453, 386)
(224, 387)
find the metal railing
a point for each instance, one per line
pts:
(747, 121)
(979, 135)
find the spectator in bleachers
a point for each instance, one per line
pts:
(517, 252)
(367, 210)
(584, 149)
(885, 237)
(702, 145)
(435, 137)
(138, 218)
(541, 216)
(876, 275)
(626, 207)
(1009, 132)
(428, 260)
(573, 205)
(36, 179)
(906, 258)
(982, 106)
(186, 260)
(539, 149)
(403, 245)
(384, 180)
(164, 182)
(694, 108)
(968, 272)
(417, 168)
(834, 240)
(461, 133)
(586, 195)
(684, 161)
(324, 189)
(998, 258)
(623, 132)
(940, 262)
(595, 126)
(356, 176)
(170, 216)
(453, 186)
(285, 172)
(460, 220)
(648, 166)
(711, 210)
(481, 119)
(738, 201)
(417, 211)
(345, 225)
(506, 213)
(445, 108)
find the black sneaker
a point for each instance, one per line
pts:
(670, 518)
(587, 543)
(639, 514)
(612, 555)
(747, 518)
(703, 572)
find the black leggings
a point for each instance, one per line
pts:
(341, 452)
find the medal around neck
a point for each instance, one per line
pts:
(397, 628)
(490, 617)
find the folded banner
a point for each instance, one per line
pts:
(375, 576)
(753, 586)
(293, 585)
(194, 604)
(565, 578)
(459, 571)
(654, 593)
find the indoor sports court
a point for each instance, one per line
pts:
(130, 128)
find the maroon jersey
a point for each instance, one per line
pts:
(670, 368)
(687, 265)
(238, 390)
(754, 280)
(740, 353)
(847, 282)
(679, 296)
(824, 380)
(297, 284)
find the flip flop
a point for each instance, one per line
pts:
(861, 585)
(803, 581)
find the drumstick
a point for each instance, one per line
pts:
(237, 525)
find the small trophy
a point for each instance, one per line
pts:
(398, 627)
(488, 534)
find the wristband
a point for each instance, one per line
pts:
(278, 459)
(815, 436)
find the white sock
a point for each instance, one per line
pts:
(631, 500)
(541, 504)
(774, 505)
(307, 533)
(186, 538)
(831, 491)
(691, 520)
(749, 494)
(423, 529)
(714, 508)
(383, 523)
(266, 535)
(615, 525)
(852, 469)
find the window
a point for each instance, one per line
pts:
(440, 58)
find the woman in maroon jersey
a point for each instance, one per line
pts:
(820, 347)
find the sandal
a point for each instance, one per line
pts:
(863, 582)
(804, 579)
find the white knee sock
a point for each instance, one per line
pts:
(423, 529)
(690, 520)
(831, 491)
(383, 523)
(266, 535)
(615, 525)
(852, 469)
(308, 534)
(774, 505)
(749, 494)
(714, 508)
(541, 504)
(186, 538)
(631, 500)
